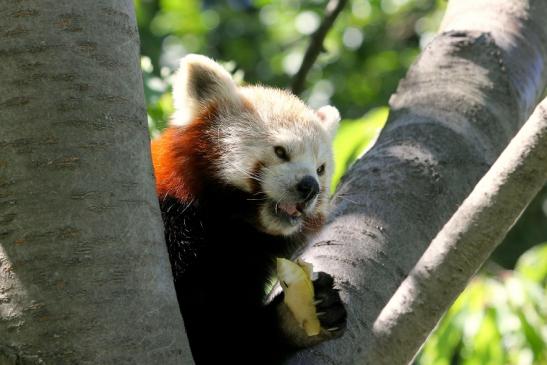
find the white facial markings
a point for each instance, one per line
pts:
(242, 137)
(307, 152)
(249, 139)
(278, 177)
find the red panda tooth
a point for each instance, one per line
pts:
(289, 208)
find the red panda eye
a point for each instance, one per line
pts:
(321, 170)
(281, 153)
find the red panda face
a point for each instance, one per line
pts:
(294, 183)
(270, 144)
(279, 151)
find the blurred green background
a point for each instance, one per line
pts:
(501, 317)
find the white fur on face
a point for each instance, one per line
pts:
(250, 122)
(277, 119)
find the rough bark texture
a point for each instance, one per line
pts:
(453, 114)
(465, 242)
(84, 273)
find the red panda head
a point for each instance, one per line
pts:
(262, 141)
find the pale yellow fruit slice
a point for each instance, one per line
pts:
(295, 279)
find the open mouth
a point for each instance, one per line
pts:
(289, 212)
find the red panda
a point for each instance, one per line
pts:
(242, 177)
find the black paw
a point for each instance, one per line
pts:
(329, 307)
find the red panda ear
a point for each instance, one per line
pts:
(330, 118)
(198, 83)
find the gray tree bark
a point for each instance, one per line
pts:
(458, 107)
(84, 272)
(465, 241)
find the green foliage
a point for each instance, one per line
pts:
(367, 51)
(158, 96)
(496, 320)
(533, 265)
(354, 137)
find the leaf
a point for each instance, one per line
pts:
(487, 344)
(532, 264)
(534, 338)
(354, 137)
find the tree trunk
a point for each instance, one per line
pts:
(84, 272)
(465, 241)
(453, 114)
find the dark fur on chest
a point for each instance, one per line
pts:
(222, 265)
(199, 238)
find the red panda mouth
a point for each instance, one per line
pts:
(290, 211)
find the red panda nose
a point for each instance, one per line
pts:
(307, 188)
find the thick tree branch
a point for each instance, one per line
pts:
(466, 241)
(454, 113)
(84, 272)
(334, 7)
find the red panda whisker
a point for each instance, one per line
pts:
(277, 201)
(247, 173)
(342, 197)
(257, 199)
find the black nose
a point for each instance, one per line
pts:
(308, 188)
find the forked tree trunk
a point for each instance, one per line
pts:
(84, 275)
(458, 107)
(84, 272)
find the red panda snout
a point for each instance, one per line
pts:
(290, 197)
(308, 188)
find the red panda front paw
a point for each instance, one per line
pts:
(330, 311)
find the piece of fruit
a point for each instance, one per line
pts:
(295, 279)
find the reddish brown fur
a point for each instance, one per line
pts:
(182, 158)
(256, 173)
(247, 105)
(314, 223)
